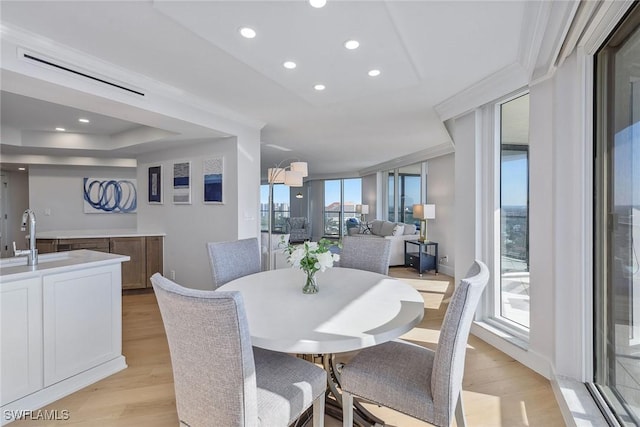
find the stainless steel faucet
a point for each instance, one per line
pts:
(32, 252)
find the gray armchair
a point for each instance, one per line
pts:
(219, 379)
(415, 380)
(299, 229)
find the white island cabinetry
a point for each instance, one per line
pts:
(61, 326)
(21, 339)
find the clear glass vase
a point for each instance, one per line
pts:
(311, 285)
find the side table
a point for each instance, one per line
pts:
(422, 256)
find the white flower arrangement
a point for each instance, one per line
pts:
(312, 257)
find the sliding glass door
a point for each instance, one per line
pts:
(617, 214)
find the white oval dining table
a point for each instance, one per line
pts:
(353, 309)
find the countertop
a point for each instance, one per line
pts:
(95, 234)
(16, 268)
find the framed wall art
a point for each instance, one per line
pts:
(213, 177)
(110, 195)
(182, 183)
(155, 185)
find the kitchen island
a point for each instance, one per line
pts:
(61, 326)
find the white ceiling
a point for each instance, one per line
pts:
(427, 51)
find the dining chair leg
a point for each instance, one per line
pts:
(318, 411)
(347, 409)
(460, 420)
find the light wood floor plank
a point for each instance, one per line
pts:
(497, 390)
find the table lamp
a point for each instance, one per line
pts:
(423, 213)
(363, 210)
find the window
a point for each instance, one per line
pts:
(340, 199)
(513, 295)
(407, 192)
(617, 223)
(281, 207)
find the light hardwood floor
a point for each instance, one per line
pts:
(497, 390)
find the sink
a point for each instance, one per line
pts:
(22, 260)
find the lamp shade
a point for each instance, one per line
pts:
(424, 211)
(293, 178)
(364, 209)
(300, 167)
(275, 175)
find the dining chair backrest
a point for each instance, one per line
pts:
(211, 354)
(366, 253)
(230, 260)
(448, 363)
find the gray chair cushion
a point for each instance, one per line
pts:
(396, 375)
(287, 386)
(230, 260)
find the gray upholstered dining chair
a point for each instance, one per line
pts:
(230, 260)
(417, 381)
(366, 253)
(219, 379)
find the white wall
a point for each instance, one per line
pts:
(542, 258)
(467, 212)
(17, 200)
(441, 192)
(189, 228)
(59, 189)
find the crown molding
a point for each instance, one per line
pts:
(509, 79)
(419, 156)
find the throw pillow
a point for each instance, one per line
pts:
(409, 229)
(376, 227)
(398, 229)
(387, 228)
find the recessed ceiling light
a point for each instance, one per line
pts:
(83, 120)
(22, 169)
(319, 87)
(60, 129)
(247, 32)
(289, 65)
(317, 3)
(374, 73)
(351, 44)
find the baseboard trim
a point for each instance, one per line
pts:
(54, 392)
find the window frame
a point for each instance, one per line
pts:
(342, 213)
(490, 310)
(264, 208)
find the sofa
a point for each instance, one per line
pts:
(278, 256)
(396, 232)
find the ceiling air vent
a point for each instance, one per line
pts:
(48, 62)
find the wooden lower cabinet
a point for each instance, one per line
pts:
(145, 253)
(46, 246)
(134, 272)
(154, 257)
